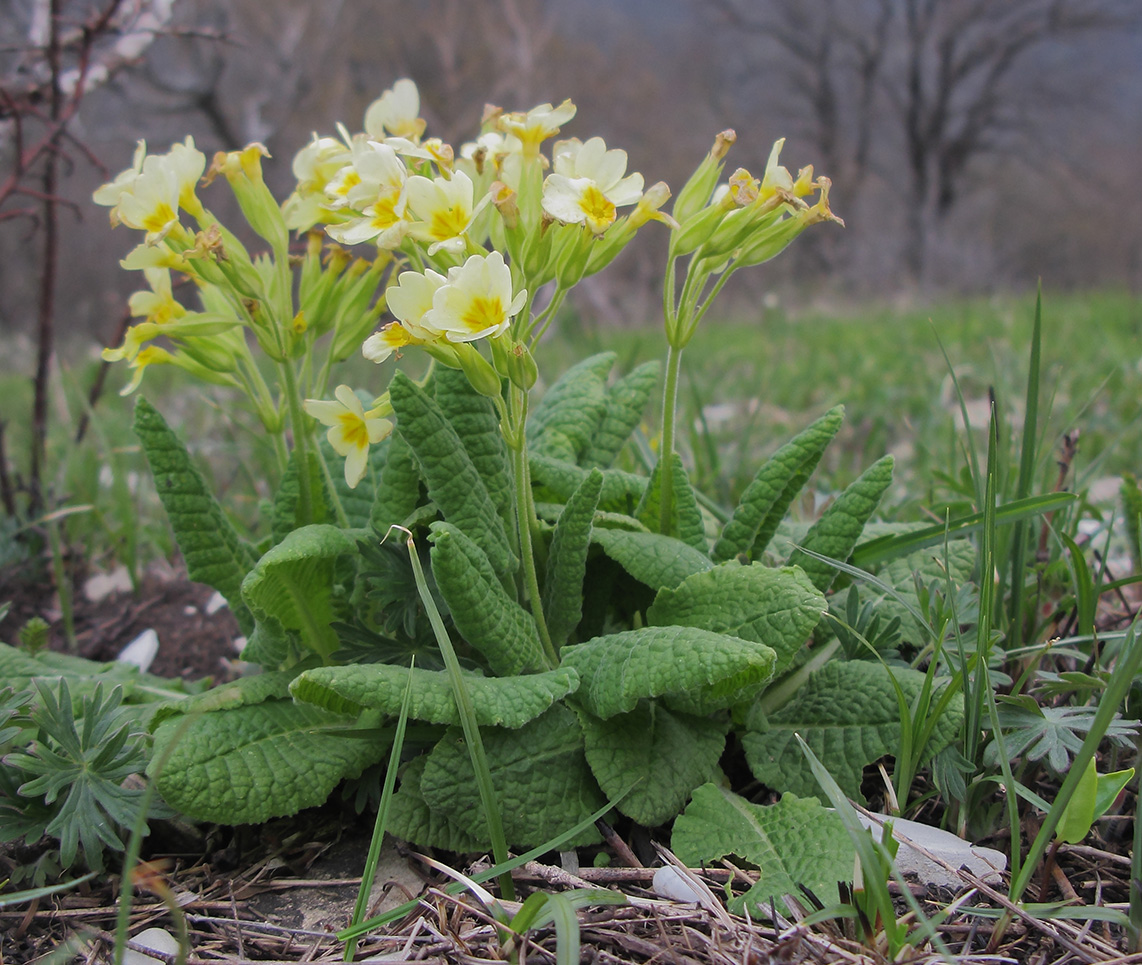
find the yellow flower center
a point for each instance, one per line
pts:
(347, 183)
(483, 313)
(599, 210)
(162, 215)
(385, 212)
(353, 430)
(448, 222)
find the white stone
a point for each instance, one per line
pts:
(669, 883)
(214, 604)
(156, 939)
(102, 585)
(141, 651)
(984, 863)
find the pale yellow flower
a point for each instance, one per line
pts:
(537, 125)
(445, 208)
(477, 302)
(157, 305)
(351, 430)
(396, 113)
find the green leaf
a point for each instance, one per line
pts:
(257, 761)
(621, 491)
(571, 411)
(926, 566)
(539, 771)
(651, 558)
(474, 418)
(498, 701)
(777, 483)
(244, 691)
(667, 754)
(1078, 815)
(688, 525)
(848, 714)
(796, 844)
(213, 552)
(837, 531)
(705, 671)
(412, 820)
(777, 607)
(567, 560)
(625, 404)
(292, 586)
(454, 483)
(398, 491)
(491, 621)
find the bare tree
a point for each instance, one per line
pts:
(942, 71)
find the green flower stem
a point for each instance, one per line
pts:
(301, 441)
(666, 448)
(468, 722)
(526, 519)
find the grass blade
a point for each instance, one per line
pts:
(369, 875)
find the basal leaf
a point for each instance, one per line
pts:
(213, 551)
(688, 525)
(624, 406)
(255, 762)
(499, 701)
(927, 566)
(238, 693)
(777, 607)
(837, 531)
(411, 819)
(571, 411)
(651, 558)
(666, 753)
(539, 771)
(454, 483)
(293, 585)
(848, 714)
(474, 418)
(796, 844)
(777, 483)
(709, 670)
(490, 620)
(621, 491)
(398, 487)
(567, 560)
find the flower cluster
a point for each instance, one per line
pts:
(462, 248)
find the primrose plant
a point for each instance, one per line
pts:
(610, 628)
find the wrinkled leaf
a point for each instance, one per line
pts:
(540, 774)
(777, 607)
(667, 754)
(705, 671)
(651, 558)
(498, 701)
(795, 844)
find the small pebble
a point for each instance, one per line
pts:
(669, 883)
(157, 939)
(141, 651)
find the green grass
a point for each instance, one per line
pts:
(758, 382)
(748, 385)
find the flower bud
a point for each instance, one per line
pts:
(697, 190)
(243, 171)
(482, 377)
